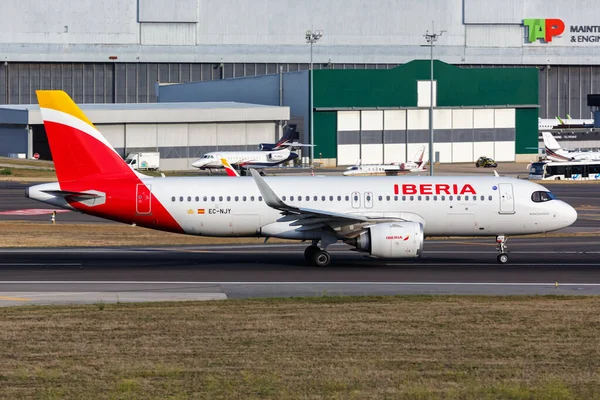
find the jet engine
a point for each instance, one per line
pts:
(277, 156)
(391, 240)
(266, 146)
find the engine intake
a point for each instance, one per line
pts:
(391, 240)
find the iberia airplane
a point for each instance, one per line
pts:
(384, 217)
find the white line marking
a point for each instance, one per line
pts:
(305, 283)
(17, 264)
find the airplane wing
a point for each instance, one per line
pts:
(308, 218)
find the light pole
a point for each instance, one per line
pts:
(312, 37)
(431, 39)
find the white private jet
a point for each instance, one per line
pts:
(383, 217)
(388, 169)
(242, 160)
(555, 152)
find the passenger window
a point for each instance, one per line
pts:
(228, 198)
(388, 198)
(173, 198)
(244, 198)
(426, 198)
(395, 198)
(330, 198)
(490, 198)
(412, 198)
(291, 198)
(419, 198)
(339, 198)
(482, 198)
(347, 198)
(204, 198)
(237, 198)
(307, 198)
(450, 198)
(403, 198)
(355, 198)
(457, 197)
(466, 197)
(181, 198)
(380, 198)
(443, 198)
(212, 198)
(368, 198)
(323, 198)
(220, 198)
(251, 198)
(259, 198)
(197, 198)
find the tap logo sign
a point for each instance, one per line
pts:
(544, 29)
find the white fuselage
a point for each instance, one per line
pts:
(233, 207)
(382, 169)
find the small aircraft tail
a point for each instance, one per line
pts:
(419, 159)
(228, 168)
(553, 149)
(79, 150)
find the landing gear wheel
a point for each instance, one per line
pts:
(502, 249)
(310, 251)
(502, 258)
(321, 258)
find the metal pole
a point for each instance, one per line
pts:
(431, 110)
(312, 133)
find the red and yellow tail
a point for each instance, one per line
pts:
(79, 150)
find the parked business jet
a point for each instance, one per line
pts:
(242, 160)
(384, 217)
(388, 169)
(555, 152)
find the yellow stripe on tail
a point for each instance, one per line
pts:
(60, 101)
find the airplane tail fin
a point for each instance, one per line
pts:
(288, 137)
(550, 142)
(228, 168)
(79, 150)
(419, 159)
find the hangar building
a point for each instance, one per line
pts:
(181, 133)
(120, 51)
(383, 115)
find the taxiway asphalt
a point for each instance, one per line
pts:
(566, 266)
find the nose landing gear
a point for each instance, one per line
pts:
(502, 249)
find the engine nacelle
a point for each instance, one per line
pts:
(392, 240)
(277, 156)
(266, 146)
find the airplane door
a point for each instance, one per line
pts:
(355, 200)
(368, 200)
(143, 197)
(507, 199)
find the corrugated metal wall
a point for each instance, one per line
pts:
(562, 89)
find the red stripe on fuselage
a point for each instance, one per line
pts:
(84, 163)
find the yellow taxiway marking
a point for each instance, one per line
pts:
(14, 298)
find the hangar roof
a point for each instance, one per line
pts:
(114, 113)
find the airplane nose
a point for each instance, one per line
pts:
(570, 215)
(198, 163)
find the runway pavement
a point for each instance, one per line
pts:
(538, 266)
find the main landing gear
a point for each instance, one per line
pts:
(503, 256)
(319, 256)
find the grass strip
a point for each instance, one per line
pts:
(419, 347)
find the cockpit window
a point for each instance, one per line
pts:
(540, 197)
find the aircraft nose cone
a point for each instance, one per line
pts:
(570, 215)
(198, 163)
